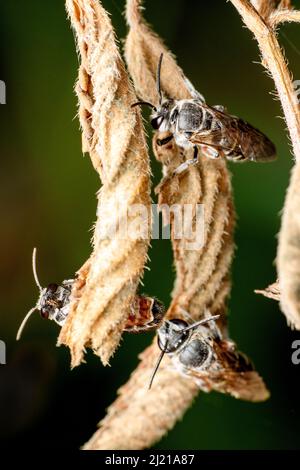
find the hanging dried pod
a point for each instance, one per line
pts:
(139, 417)
(113, 135)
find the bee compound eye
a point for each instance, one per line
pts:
(171, 337)
(180, 323)
(157, 307)
(194, 354)
(52, 287)
(44, 314)
(156, 122)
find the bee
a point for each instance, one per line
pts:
(53, 302)
(198, 351)
(146, 313)
(193, 123)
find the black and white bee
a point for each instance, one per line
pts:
(53, 302)
(193, 123)
(146, 313)
(200, 352)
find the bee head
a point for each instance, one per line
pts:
(172, 334)
(47, 301)
(160, 118)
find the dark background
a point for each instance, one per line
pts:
(48, 200)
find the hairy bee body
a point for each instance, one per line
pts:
(194, 123)
(199, 352)
(54, 301)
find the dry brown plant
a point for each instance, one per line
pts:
(271, 292)
(139, 417)
(262, 17)
(113, 135)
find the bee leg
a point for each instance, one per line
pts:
(164, 141)
(219, 107)
(209, 152)
(185, 165)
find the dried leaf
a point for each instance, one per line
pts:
(139, 417)
(272, 291)
(113, 134)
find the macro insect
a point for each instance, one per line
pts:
(146, 313)
(193, 123)
(53, 302)
(198, 351)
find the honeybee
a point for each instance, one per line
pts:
(198, 351)
(147, 313)
(54, 304)
(193, 123)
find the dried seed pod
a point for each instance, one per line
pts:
(266, 7)
(288, 256)
(140, 417)
(113, 134)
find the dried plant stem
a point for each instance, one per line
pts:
(272, 292)
(139, 417)
(288, 254)
(113, 135)
(273, 60)
(266, 7)
(284, 16)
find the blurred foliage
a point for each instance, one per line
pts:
(48, 200)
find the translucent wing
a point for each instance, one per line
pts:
(246, 385)
(232, 137)
(231, 372)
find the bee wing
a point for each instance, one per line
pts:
(247, 385)
(232, 137)
(232, 373)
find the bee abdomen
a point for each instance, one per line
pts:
(194, 354)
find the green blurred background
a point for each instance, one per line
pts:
(48, 200)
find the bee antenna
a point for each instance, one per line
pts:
(201, 322)
(158, 83)
(34, 270)
(26, 318)
(146, 103)
(157, 365)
